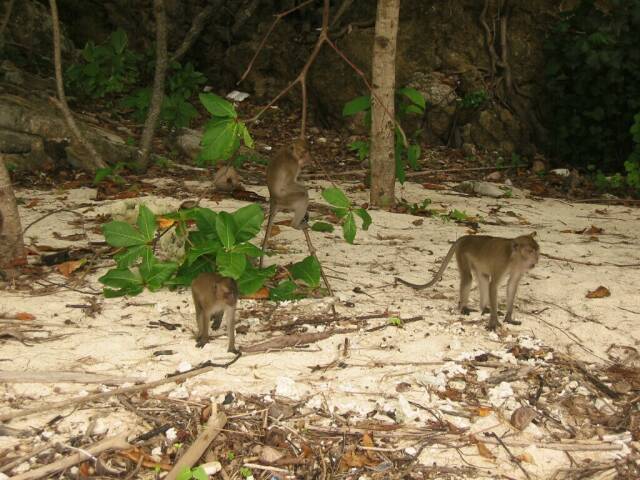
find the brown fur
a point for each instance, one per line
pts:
(214, 296)
(488, 259)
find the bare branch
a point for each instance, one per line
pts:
(7, 15)
(194, 32)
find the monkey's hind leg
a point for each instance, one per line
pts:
(493, 299)
(512, 288)
(273, 209)
(216, 320)
(230, 315)
(203, 327)
(465, 285)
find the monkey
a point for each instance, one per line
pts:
(285, 191)
(489, 259)
(215, 296)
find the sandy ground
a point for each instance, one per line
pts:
(551, 304)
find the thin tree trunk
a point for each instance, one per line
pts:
(96, 160)
(383, 164)
(11, 244)
(158, 83)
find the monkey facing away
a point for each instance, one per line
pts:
(215, 297)
(489, 259)
(285, 191)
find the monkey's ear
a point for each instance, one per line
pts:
(533, 234)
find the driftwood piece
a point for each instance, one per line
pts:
(196, 450)
(64, 377)
(118, 442)
(285, 341)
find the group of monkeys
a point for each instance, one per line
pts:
(484, 257)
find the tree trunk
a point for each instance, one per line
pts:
(11, 244)
(158, 83)
(383, 163)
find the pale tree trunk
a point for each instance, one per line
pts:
(383, 164)
(11, 245)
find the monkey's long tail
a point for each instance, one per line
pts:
(438, 276)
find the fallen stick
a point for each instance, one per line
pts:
(216, 421)
(118, 391)
(285, 341)
(118, 442)
(64, 377)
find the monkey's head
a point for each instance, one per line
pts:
(527, 249)
(300, 150)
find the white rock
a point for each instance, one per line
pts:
(180, 393)
(171, 434)
(237, 96)
(287, 387)
(211, 468)
(184, 367)
(561, 172)
(499, 393)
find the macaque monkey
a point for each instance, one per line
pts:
(215, 296)
(489, 259)
(285, 191)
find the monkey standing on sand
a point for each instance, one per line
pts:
(489, 259)
(215, 297)
(285, 191)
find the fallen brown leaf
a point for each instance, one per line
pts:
(600, 292)
(434, 186)
(67, 268)
(24, 316)
(164, 223)
(484, 451)
(261, 294)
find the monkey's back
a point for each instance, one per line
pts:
(212, 291)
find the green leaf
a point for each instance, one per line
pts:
(283, 291)
(119, 40)
(248, 221)
(102, 174)
(349, 228)
(120, 278)
(210, 248)
(226, 229)
(249, 249)
(253, 279)
(336, 197)
(205, 219)
(121, 234)
(128, 257)
(246, 136)
(199, 474)
(131, 291)
(364, 215)
(231, 264)
(218, 106)
(414, 95)
(186, 273)
(308, 270)
(146, 223)
(322, 227)
(413, 154)
(414, 109)
(148, 260)
(185, 474)
(160, 272)
(356, 105)
(220, 140)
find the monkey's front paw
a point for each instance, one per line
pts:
(234, 350)
(512, 321)
(202, 342)
(486, 310)
(465, 311)
(492, 327)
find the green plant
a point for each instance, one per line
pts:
(343, 209)
(105, 69)
(110, 173)
(408, 102)
(197, 473)
(246, 472)
(220, 242)
(421, 208)
(593, 76)
(306, 271)
(632, 164)
(395, 321)
(474, 100)
(223, 133)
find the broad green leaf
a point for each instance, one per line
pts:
(248, 221)
(283, 291)
(101, 174)
(218, 106)
(205, 219)
(413, 154)
(308, 270)
(414, 95)
(199, 474)
(226, 229)
(364, 215)
(231, 264)
(120, 278)
(130, 291)
(146, 222)
(246, 136)
(336, 197)
(414, 109)
(210, 249)
(128, 257)
(185, 474)
(159, 274)
(349, 228)
(322, 227)
(356, 105)
(121, 234)
(253, 279)
(119, 40)
(249, 249)
(186, 273)
(220, 140)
